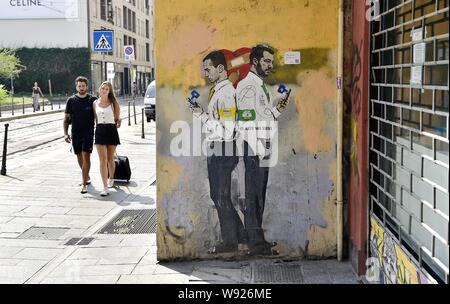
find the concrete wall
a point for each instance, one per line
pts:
(45, 33)
(299, 210)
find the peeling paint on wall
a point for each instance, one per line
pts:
(299, 212)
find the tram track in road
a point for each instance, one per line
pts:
(20, 135)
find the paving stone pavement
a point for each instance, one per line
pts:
(41, 190)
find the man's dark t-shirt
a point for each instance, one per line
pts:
(82, 115)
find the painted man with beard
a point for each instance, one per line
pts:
(255, 111)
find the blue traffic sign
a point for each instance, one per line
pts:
(103, 41)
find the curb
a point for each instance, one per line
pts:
(30, 115)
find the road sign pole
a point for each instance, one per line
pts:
(103, 67)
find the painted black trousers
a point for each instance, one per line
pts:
(256, 179)
(219, 175)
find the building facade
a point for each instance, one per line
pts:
(132, 23)
(70, 24)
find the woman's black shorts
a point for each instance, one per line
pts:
(106, 134)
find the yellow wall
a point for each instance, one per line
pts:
(300, 209)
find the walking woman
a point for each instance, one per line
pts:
(37, 93)
(107, 119)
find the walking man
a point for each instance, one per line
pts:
(79, 113)
(221, 159)
(256, 112)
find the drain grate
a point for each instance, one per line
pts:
(278, 274)
(72, 241)
(132, 222)
(43, 233)
(79, 241)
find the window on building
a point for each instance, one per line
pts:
(134, 21)
(110, 11)
(130, 21)
(125, 18)
(94, 8)
(147, 7)
(147, 52)
(103, 9)
(147, 29)
(139, 27)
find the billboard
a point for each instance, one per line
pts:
(39, 9)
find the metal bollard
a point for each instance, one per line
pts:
(134, 110)
(43, 104)
(129, 113)
(23, 105)
(5, 146)
(51, 104)
(143, 135)
(12, 105)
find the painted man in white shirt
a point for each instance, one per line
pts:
(220, 120)
(256, 112)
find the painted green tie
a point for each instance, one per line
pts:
(266, 92)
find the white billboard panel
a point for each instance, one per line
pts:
(39, 9)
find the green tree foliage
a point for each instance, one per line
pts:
(3, 93)
(10, 65)
(61, 66)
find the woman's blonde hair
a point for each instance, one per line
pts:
(112, 99)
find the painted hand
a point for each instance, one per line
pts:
(197, 110)
(283, 102)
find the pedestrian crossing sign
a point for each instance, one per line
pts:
(103, 41)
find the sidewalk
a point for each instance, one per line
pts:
(42, 191)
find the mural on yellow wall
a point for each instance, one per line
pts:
(241, 124)
(280, 198)
(393, 265)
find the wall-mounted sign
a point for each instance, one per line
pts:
(110, 70)
(103, 41)
(419, 53)
(416, 76)
(128, 50)
(417, 34)
(292, 58)
(39, 9)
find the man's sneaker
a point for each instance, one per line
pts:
(111, 183)
(105, 192)
(83, 189)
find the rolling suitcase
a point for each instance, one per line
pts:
(123, 170)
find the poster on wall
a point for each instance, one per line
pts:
(39, 9)
(389, 263)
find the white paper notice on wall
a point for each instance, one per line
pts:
(419, 53)
(417, 34)
(416, 76)
(292, 58)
